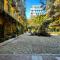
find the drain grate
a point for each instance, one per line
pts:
(58, 58)
(34, 57)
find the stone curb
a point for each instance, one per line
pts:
(7, 41)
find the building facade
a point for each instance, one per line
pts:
(11, 25)
(53, 10)
(50, 7)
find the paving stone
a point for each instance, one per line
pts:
(32, 45)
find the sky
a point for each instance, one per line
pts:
(29, 4)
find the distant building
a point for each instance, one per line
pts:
(36, 10)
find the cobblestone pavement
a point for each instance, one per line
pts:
(32, 45)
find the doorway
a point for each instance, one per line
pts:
(1, 31)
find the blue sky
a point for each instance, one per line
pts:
(29, 4)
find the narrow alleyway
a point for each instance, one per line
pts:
(31, 45)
